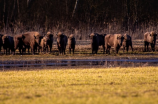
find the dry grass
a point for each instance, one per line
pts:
(80, 86)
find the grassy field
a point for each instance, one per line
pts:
(148, 55)
(80, 86)
(81, 53)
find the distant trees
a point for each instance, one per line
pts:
(88, 15)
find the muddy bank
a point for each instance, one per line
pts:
(76, 63)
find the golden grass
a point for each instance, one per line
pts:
(80, 86)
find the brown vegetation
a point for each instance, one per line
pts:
(80, 18)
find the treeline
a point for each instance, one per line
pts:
(80, 17)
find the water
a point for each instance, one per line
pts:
(76, 63)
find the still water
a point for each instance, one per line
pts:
(76, 63)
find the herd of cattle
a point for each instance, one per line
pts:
(39, 43)
(36, 42)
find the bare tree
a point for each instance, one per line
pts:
(75, 8)
(28, 1)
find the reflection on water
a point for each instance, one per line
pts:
(78, 63)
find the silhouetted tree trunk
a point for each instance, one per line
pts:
(128, 15)
(4, 12)
(66, 7)
(18, 6)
